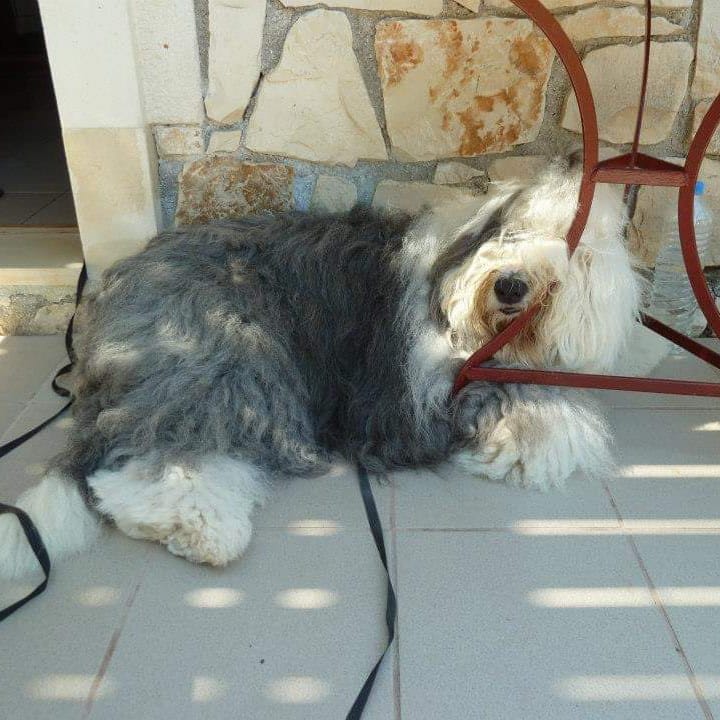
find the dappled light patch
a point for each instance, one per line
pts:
(617, 688)
(99, 596)
(217, 597)
(306, 598)
(73, 687)
(207, 689)
(298, 690)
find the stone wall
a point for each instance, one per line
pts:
(401, 102)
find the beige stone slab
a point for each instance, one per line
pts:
(168, 60)
(39, 256)
(656, 212)
(563, 4)
(236, 31)
(91, 50)
(314, 104)
(334, 194)
(700, 111)
(598, 22)
(175, 141)
(706, 83)
(444, 98)
(521, 169)
(454, 173)
(221, 186)
(616, 91)
(412, 196)
(416, 7)
(224, 141)
(113, 172)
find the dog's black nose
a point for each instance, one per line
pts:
(510, 290)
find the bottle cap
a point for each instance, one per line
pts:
(699, 187)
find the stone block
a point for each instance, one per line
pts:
(412, 197)
(334, 194)
(444, 98)
(176, 141)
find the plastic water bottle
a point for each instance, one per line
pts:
(673, 301)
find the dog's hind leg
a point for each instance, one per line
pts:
(199, 510)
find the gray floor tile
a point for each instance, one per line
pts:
(25, 465)
(330, 502)
(60, 211)
(290, 631)
(15, 208)
(25, 363)
(489, 629)
(669, 466)
(685, 572)
(449, 498)
(53, 647)
(9, 411)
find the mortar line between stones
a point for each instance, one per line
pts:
(657, 600)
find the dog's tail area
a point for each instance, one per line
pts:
(64, 521)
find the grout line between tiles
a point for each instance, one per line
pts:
(32, 215)
(657, 600)
(397, 699)
(114, 639)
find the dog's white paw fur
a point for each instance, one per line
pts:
(540, 444)
(200, 512)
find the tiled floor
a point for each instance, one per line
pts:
(33, 171)
(600, 602)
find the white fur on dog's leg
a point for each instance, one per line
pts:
(65, 523)
(544, 436)
(497, 457)
(200, 512)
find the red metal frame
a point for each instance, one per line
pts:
(633, 168)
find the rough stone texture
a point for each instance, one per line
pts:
(616, 90)
(236, 29)
(35, 310)
(700, 111)
(706, 84)
(168, 60)
(334, 194)
(178, 140)
(516, 168)
(598, 22)
(416, 7)
(220, 186)
(224, 141)
(456, 173)
(556, 4)
(314, 104)
(657, 207)
(442, 96)
(413, 197)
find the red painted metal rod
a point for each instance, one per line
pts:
(598, 382)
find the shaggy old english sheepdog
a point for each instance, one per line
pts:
(223, 358)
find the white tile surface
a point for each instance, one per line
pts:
(686, 573)
(478, 639)
(25, 362)
(669, 464)
(288, 632)
(450, 498)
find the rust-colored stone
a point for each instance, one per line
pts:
(220, 186)
(473, 86)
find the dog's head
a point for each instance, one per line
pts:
(512, 254)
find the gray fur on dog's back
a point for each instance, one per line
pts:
(274, 338)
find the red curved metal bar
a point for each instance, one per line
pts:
(686, 212)
(588, 120)
(635, 168)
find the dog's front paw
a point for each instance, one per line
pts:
(503, 457)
